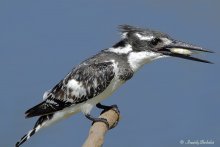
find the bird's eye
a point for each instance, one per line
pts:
(155, 41)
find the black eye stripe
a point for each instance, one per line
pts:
(155, 41)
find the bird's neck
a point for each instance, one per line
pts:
(121, 49)
(136, 59)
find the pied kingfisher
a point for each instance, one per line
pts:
(99, 76)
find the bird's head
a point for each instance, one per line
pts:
(145, 45)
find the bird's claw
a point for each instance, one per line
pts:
(116, 110)
(102, 120)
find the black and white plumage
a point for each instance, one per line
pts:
(99, 76)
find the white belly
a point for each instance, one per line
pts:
(87, 106)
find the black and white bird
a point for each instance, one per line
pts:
(99, 76)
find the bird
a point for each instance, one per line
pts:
(97, 77)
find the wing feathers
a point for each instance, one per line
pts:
(82, 84)
(46, 107)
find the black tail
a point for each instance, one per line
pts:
(38, 125)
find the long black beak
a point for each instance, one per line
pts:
(183, 50)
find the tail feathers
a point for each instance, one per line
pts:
(26, 137)
(38, 125)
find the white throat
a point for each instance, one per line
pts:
(138, 59)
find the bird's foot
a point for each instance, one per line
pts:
(115, 108)
(98, 120)
(112, 107)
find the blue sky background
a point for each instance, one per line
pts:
(167, 101)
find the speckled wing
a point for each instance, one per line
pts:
(80, 85)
